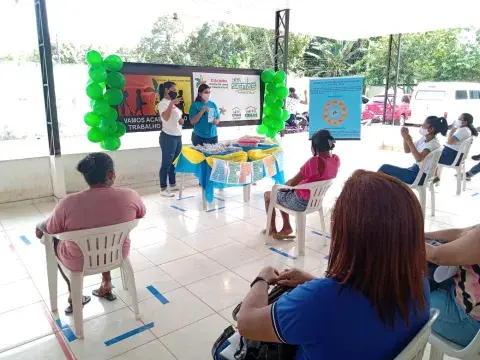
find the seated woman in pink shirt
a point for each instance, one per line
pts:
(322, 166)
(100, 205)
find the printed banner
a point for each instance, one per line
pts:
(233, 173)
(336, 105)
(237, 96)
(220, 171)
(270, 168)
(139, 110)
(257, 170)
(246, 170)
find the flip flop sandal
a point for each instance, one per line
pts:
(69, 308)
(283, 237)
(108, 296)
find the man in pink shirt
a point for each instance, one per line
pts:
(100, 205)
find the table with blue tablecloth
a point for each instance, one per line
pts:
(190, 161)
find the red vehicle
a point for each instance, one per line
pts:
(374, 109)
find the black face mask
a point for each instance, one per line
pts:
(172, 94)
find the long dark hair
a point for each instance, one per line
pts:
(201, 89)
(95, 168)
(439, 124)
(163, 87)
(468, 118)
(378, 245)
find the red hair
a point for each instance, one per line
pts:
(378, 244)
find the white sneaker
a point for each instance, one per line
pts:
(174, 188)
(166, 193)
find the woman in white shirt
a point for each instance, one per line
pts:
(292, 104)
(461, 130)
(171, 135)
(419, 149)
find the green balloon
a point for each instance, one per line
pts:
(91, 103)
(261, 129)
(285, 115)
(113, 63)
(107, 126)
(113, 96)
(111, 143)
(279, 125)
(97, 73)
(95, 135)
(268, 121)
(101, 107)
(116, 80)
(267, 110)
(278, 103)
(94, 91)
(111, 114)
(281, 92)
(93, 57)
(271, 133)
(270, 99)
(280, 77)
(276, 112)
(267, 75)
(271, 87)
(121, 129)
(91, 119)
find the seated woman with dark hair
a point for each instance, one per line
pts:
(100, 205)
(375, 297)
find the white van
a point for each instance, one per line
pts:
(448, 99)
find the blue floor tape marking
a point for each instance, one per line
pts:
(475, 194)
(320, 234)
(129, 334)
(25, 240)
(178, 208)
(67, 332)
(157, 294)
(219, 208)
(219, 199)
(186, 197)
(283, 253)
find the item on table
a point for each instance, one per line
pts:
(248, 141)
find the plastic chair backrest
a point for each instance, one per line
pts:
(431, 159)
(471, 351)
(414, 350)
(318, 190)
(101, 247)
(463, 149)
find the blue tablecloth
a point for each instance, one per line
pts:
(202, 171)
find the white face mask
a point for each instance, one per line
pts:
(457, 124)
(206, 97)
(423, 131)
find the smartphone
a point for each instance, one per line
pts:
(433, 242)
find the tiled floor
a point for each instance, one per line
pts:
(202, 264)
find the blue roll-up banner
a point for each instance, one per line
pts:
(336, 105)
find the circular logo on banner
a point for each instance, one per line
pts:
(335, 112)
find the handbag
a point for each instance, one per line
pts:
(251, 349)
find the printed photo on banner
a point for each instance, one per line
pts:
(257, 170)
(233, 173)
(220, 171)
(237, 96)
(246, 170)
(270, 167)
(139, 109)
(336, 105)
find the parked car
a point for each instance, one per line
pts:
(374, 109)
(448, 99)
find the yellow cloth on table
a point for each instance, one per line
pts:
(258, 154)
(239, 156)
(192, 155)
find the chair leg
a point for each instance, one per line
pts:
(301, 221)
(127, 266)
(423, 198)
(52, 273)
(322, 224)
(432, 194)
(435, 354)
(124, 279)
(464, 177)
(76, 285)
(459, 179)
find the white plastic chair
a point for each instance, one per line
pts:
(416, 347)
(441, 346)
(460, 169)
(102, 252)
(433, 159)
(317, 193)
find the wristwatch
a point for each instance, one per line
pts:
(257, 279)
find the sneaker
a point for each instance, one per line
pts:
(476, 157)
(166, 193)
(174, 188)
(436, 180)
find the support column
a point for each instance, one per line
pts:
(280, 59)
(394, 48)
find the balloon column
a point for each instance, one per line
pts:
(104, 88)
(274, 116)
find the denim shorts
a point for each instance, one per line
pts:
(290, 200)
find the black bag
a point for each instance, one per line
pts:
(256, 350)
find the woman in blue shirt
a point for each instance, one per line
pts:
(204, 117)
(374, 298)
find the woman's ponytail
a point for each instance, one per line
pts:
(439, 124)
(468, 118)
(443, 126)
(161, 91)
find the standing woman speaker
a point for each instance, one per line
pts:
(171, 135)
(204, 116)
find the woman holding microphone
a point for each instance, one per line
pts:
(204, 117)
(171, 135)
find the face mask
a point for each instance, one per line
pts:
(423, 131)
(206, 97)
(457, 124)
(172, 94)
